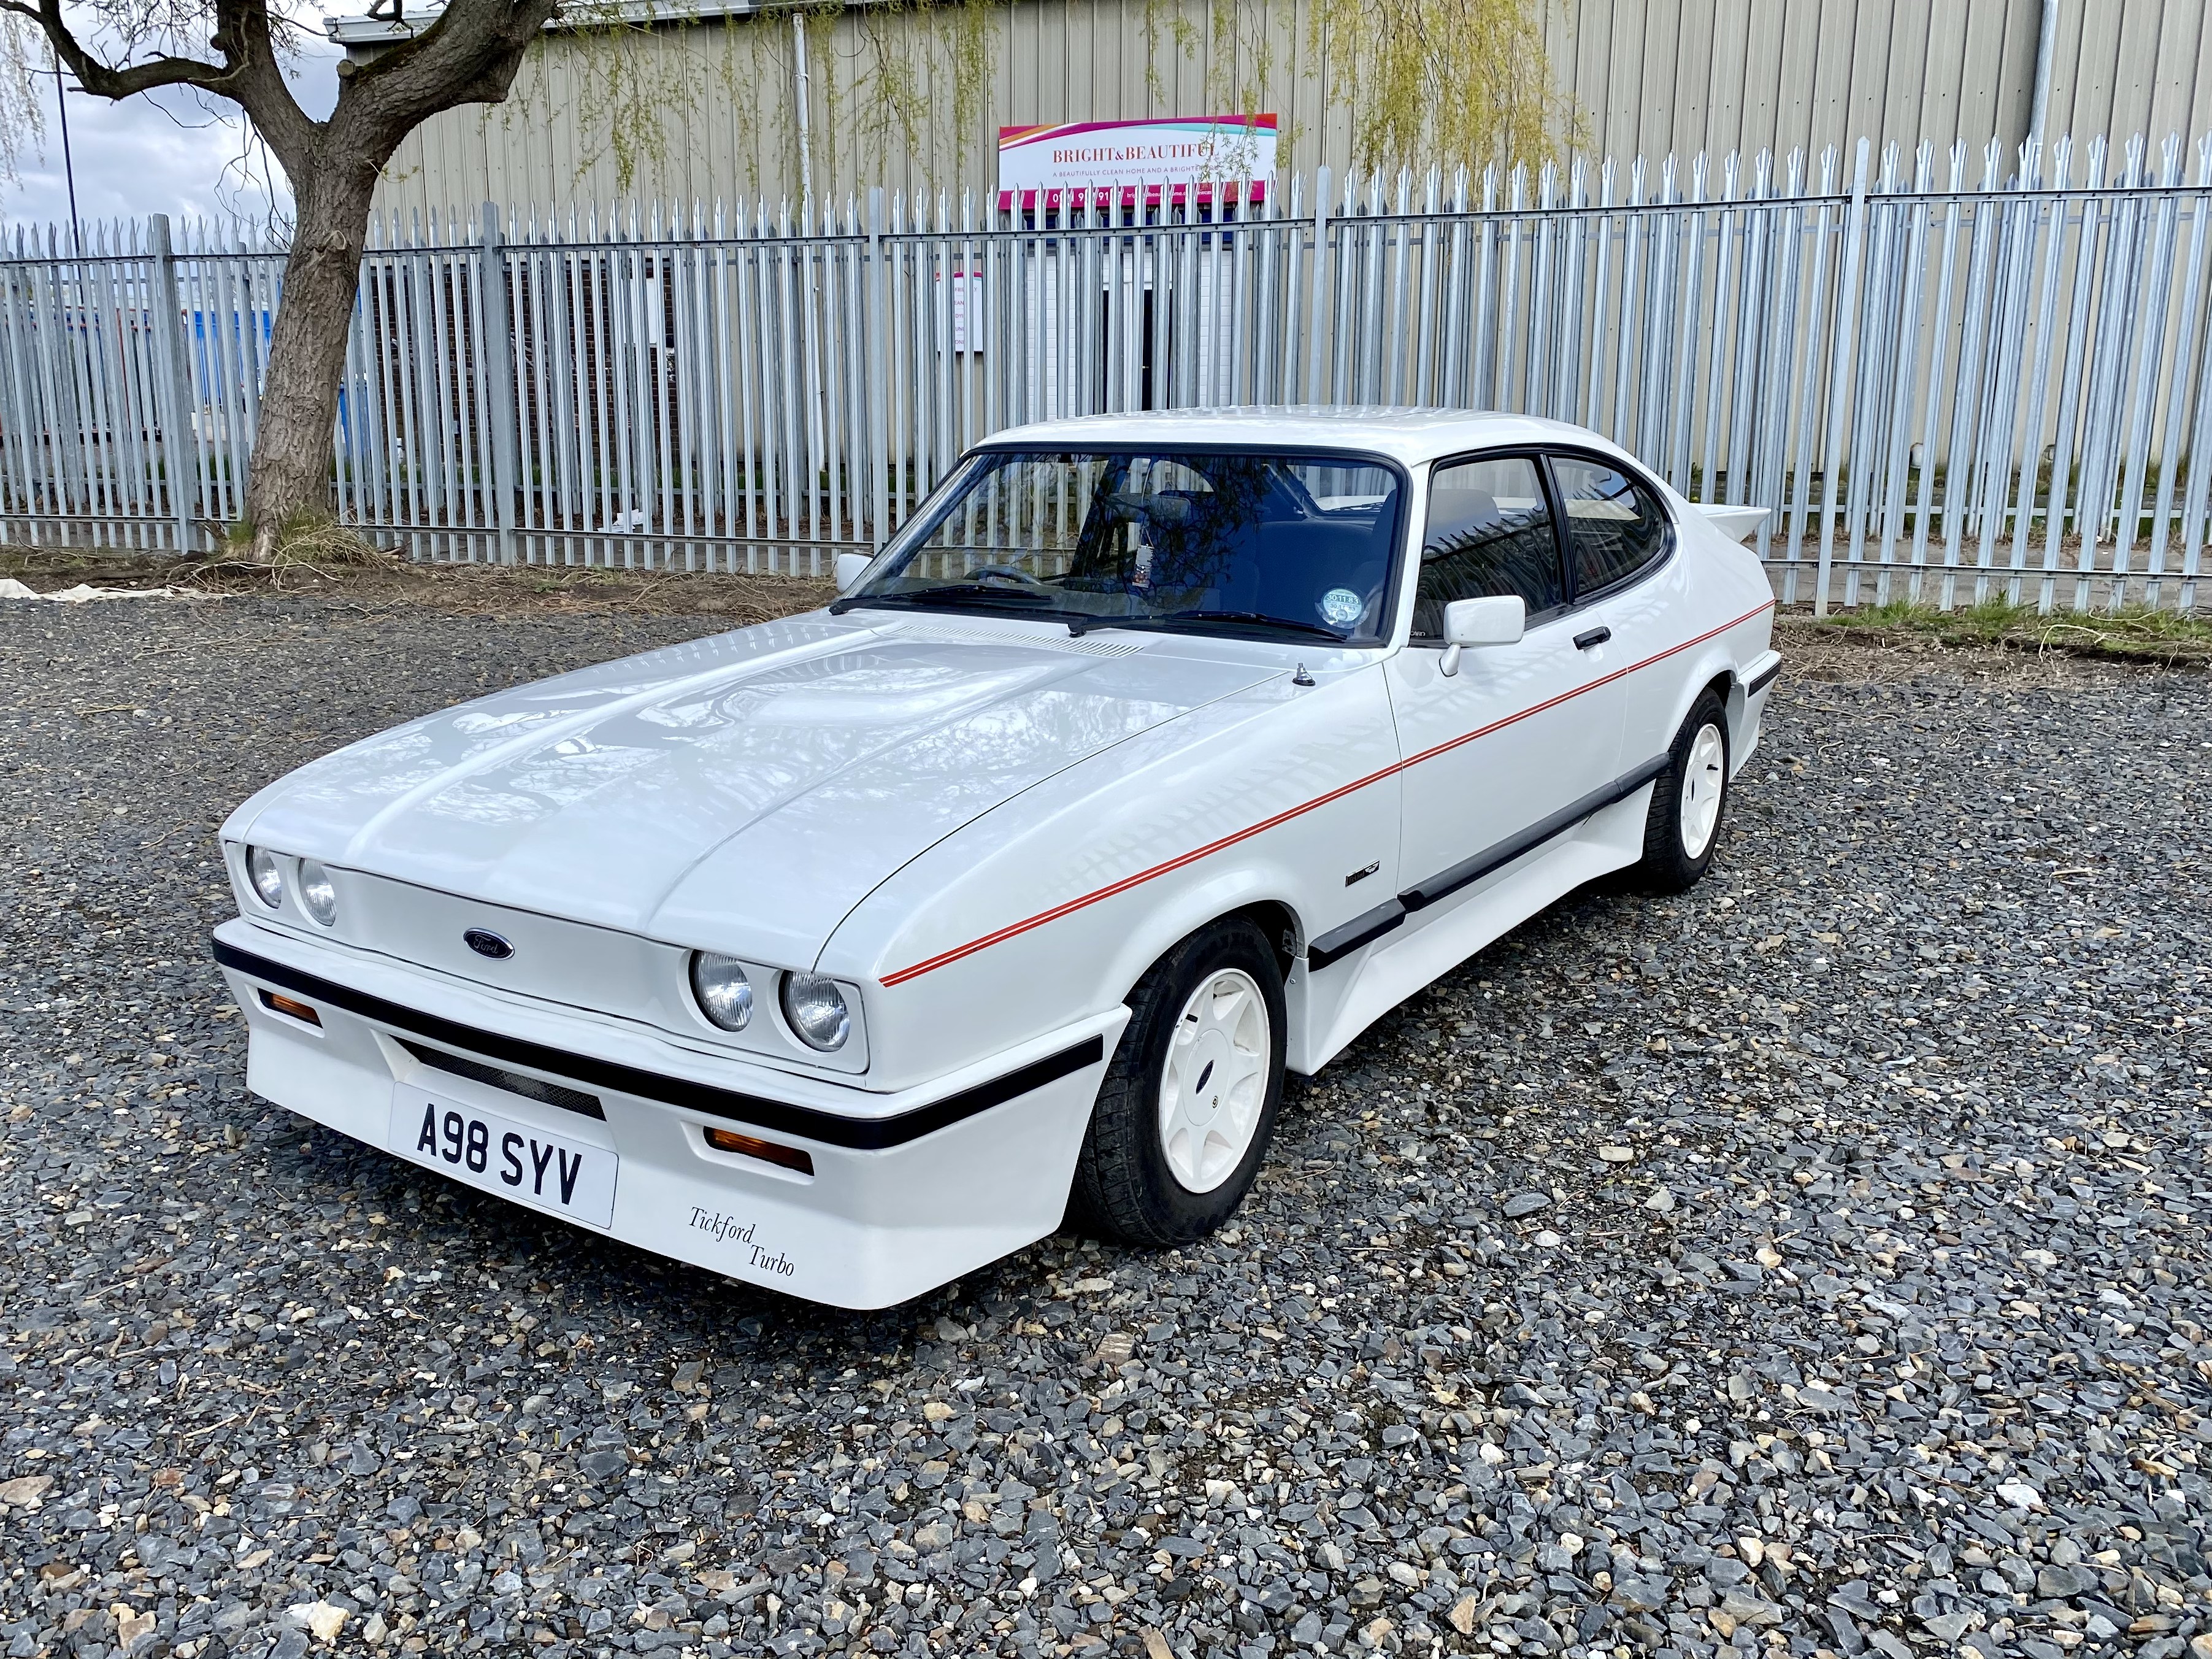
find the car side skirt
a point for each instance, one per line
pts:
(1339, 943)
(1463, 922)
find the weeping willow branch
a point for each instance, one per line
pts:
(1423, 81)
(22, 111)
(1165, 17)
(905, 59)
(1441, 81)
(617, 78)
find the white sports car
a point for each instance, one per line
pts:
(1157, 757)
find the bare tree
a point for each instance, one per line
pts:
(468, 55)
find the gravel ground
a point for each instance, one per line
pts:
(1815, 1261)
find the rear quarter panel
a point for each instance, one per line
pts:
(1718, 609)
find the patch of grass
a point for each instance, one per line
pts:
(333, 563)
(320, 545)
(2133, 635)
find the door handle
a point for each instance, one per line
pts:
(1595, 636)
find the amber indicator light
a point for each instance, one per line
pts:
(284, 1005)
(788, 1158)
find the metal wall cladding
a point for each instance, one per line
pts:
(1643, 77)
(731, 133)
(1660, 76)
(1949, 376)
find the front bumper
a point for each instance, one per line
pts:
(909, 1190)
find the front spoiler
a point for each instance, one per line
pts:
(909, 1191)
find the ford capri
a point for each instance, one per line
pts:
(1153, 760)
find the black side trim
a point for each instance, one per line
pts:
(1754, 687)
(1450, 881)
(860, 1135)
(1340, 942)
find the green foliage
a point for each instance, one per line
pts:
(910, 53)
(1424, 81)
(625, 88)
(23, 53)
(2132, 632)
(309, 541)
(1440, 80)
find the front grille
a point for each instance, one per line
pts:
(530, 1088)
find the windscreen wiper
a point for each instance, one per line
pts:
(951, 590)
(1256, 617)
(963, 596)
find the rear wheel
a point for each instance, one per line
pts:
(1187, 1108)
(1688, 802)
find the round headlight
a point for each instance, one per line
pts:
(725, 994)
(317, 896)
(816, 1008)
(268, 880)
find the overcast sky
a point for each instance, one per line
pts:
(139, 156)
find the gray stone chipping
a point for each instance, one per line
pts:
(1815, 1261)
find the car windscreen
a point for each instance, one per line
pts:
(1226, 540)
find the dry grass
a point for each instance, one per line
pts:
(329, 561)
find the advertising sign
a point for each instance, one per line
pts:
(1232, 155)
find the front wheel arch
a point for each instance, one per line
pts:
(1124, 1187)
(1280, 924)
(1254, 890)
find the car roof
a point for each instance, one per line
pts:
(1407, 435)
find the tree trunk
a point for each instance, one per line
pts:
(289, 476)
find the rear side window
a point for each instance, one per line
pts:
(1490, 533)
(1615, 526)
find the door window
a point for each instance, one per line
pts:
(1490, 533)
(1615, 526)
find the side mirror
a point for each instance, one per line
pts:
(850, 568)
(1498, 620)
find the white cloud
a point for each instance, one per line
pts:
(165, 152)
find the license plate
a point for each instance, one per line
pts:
(504, 1155)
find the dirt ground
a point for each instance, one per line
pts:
(1849, 646)
(377, 581)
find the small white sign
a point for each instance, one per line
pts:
(965, 328)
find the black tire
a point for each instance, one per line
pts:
(1670, 865)
(1125, 1187)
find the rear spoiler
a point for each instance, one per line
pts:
(1736, 522)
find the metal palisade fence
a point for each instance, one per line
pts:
(1951, 378)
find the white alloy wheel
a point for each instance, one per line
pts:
(1215, 1081)
(1705, 774)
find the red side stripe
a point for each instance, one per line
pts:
(1230, 839)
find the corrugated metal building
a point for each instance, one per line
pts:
(886, 102)
(1686, 76)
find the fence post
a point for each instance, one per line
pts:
(496, 319)
(875, 382)
(180, 460)
(1315, 332)
(1847, 295)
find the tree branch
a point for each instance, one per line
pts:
(468, 56)
(102, 80)
(249, 75)
(256, 81)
